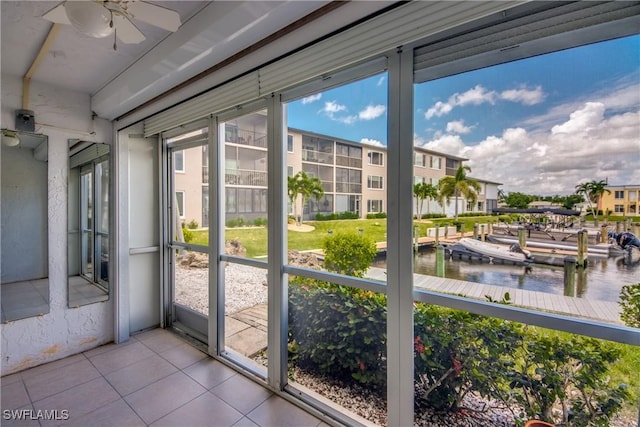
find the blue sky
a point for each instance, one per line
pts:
(540, 125)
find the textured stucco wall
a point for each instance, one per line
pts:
(63, 331)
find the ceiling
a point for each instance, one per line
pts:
(210, 33)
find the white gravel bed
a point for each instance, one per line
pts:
(244, 287)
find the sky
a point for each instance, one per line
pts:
(539, 126)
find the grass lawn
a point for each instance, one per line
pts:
(254, 239)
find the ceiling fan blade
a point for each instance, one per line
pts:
(57, 15)
(126, 31)
(157, 16)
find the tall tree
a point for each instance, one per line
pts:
(593, 191)
(459, 185)
(423, 191)
(303, 186)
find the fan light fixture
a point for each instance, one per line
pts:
(10, 138)
(90, 18)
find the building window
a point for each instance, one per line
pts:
(418, 179)
(374, 206)
(633, 195)
(436, 162)
(180, 203)
(376, 158)
(619, 194)
(178, 161)
(374, 181)
(290, 143)
(618, 209)
(481, 206)
(419, 159)
(289, 170)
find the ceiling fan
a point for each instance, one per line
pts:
(101, 18)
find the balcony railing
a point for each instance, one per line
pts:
(352, 162)
(317, 157)
(345, 187)
(246, 137)
(246, 177)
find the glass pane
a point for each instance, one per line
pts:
(511, 216)
(528, 251)
(334, 134)
(190, 210)
(102, 221)
(191, 280)
(86, 224)
(245, 186)
(337, 346)
(337, 334)
(246, 312)
(477, 370)
(245, 235)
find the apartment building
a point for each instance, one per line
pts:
(353, 175)
(621, 200)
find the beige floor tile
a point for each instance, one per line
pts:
(120, 357)
(276, 411)
(14, 395)
(162, 397)
(115, 414)
(66, 377)
(79, 400)
(184, 355)
(206, 410)
(241, 393)
(209, 372)
(140, 374)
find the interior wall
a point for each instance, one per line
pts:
(63, 331)
(24, 216)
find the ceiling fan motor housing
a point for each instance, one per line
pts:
(25, 120)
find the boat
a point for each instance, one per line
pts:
(476, 249)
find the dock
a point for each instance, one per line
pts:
(604, 311)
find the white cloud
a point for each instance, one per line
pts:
(590, 143)
(524, 96)
(582, 120)
(331, 107)
(381, 80)
(372, 142)
(458, 126)
(349, 120)
(311, 98)
(476, 96)
(481, 95)
(372, 112)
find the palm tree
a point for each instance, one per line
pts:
(593, 191)
(423, 191)
(459, 185)
(302, 185)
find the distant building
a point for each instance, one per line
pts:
(622, 200)
(353, 175)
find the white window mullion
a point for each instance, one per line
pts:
(399, 228)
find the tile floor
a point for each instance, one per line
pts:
(155, 379)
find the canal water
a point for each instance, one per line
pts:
(601, 280)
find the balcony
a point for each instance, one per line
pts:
(250, 178)
(246, 137)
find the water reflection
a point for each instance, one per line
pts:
(601, 280)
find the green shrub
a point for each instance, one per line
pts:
(187, 234)
(193, 224)
(260, 222)
(348, 253)
(338, 331)
(335, 216)
(568, 373)
(236, 222)
(376, 215)
(630, 302)
(433, 215)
